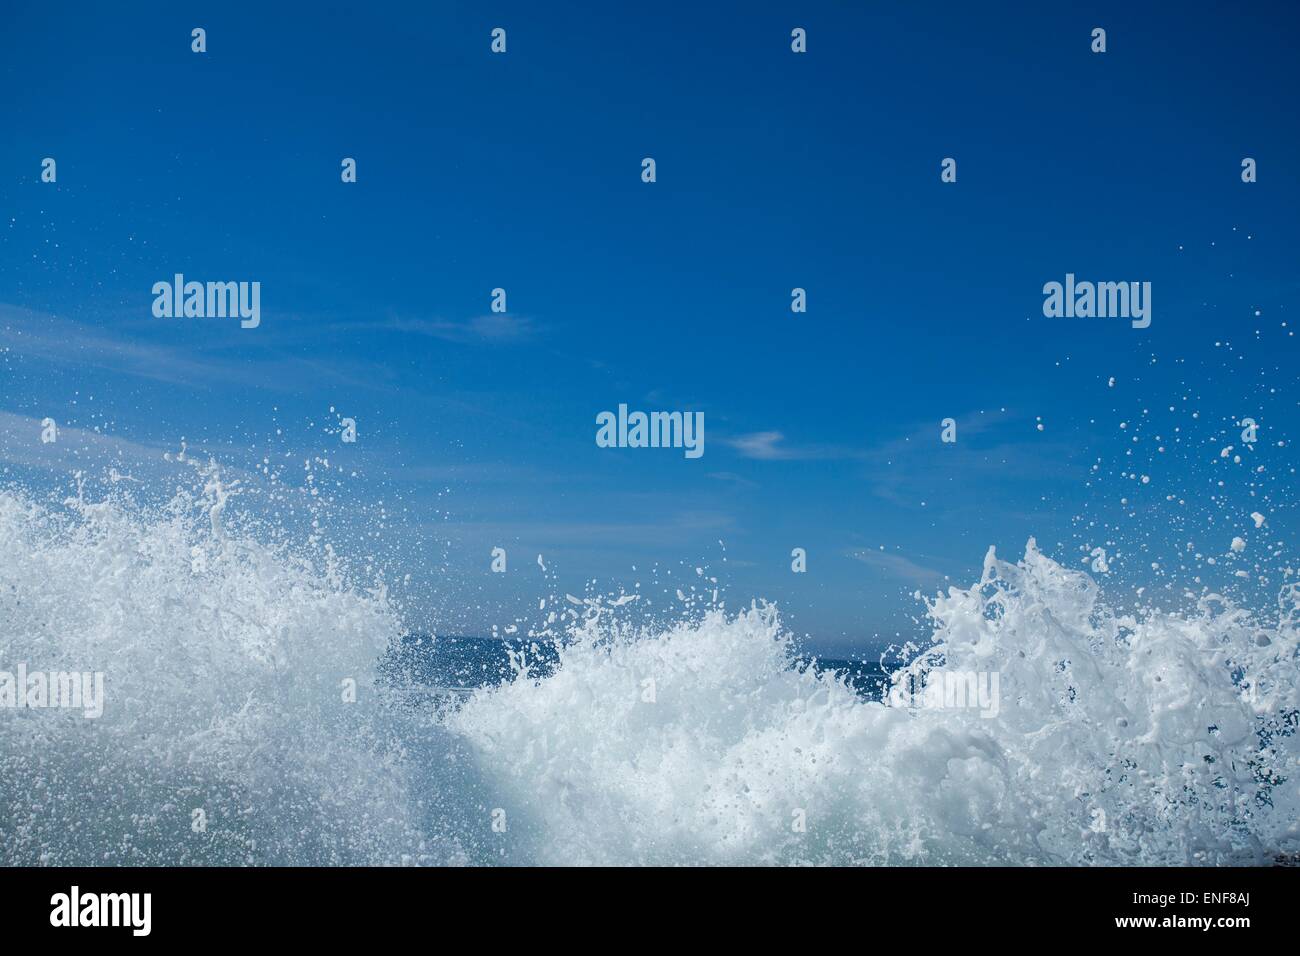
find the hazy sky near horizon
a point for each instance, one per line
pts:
(775, 170)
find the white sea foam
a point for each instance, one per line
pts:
(1153, 738)
(223, 659)
(1158, 740)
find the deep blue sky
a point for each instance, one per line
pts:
(775, 170)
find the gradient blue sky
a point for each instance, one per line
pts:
(775, 170)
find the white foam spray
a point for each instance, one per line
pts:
(1150, 738)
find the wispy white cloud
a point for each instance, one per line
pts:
(907, 469)
(759, 445)
(48, 338)
(73, 448)
(910, 468)
(494, 328)
(99, 456)
(771, 446)
(732, 477)
(898, 566)
(669, 531)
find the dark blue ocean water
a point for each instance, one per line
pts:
(459, 662)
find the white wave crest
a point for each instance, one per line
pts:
(223, 660)
(1158, 740)
(1152, 738)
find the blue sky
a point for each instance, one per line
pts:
(774, 170)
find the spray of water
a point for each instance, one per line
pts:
(1117, 739)
(1141, 737)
